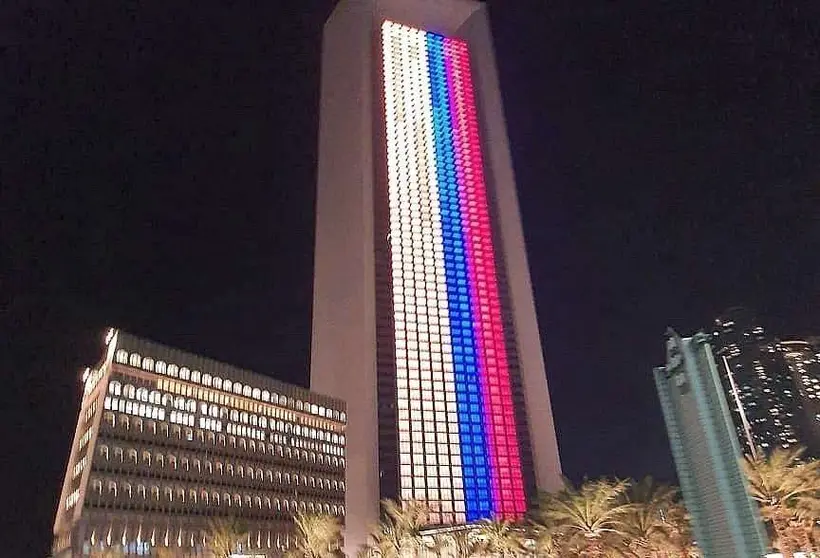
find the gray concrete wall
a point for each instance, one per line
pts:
(343, 358)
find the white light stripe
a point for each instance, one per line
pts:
(416, 233)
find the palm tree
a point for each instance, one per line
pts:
(434, 545)
(683, 542)
(653, 522)
(383, 541)
(224, 536)
(320, 536)
(545, 541)
(463, 542)
(399, 533)
(590, 519)
(109, 552)
(787, 490)
(500, 537)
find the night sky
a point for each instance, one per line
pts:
(158, 166)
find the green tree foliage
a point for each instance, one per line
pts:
(320, 536)
(590, 519)
(787, 490)
(656, 523)
(224, 536)
(500, 538)
(598, 519)
(463, 543)
(399, 533)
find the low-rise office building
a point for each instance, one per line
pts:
(167, 441)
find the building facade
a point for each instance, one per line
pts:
(423, 316)
(803, 360)
(167, 441)
(767, 409)
(706, 449)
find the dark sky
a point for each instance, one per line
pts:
(158, 165)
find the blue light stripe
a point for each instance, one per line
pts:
(473, 442)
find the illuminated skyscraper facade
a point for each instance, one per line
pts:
(803, 360)
(766, 406)
(424, 319)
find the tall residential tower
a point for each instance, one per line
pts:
(423, 317)
(803, 360)
(766, 406)
(707, 452)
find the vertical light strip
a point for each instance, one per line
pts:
(447, 495)
(507, 479)
(428, 420)
(471, 431)
(458, 446)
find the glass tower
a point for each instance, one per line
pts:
(707, 454)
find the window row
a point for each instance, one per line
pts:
(139, 540)
(208, 436)
(90, 380)
(72, 499)
(166, 400)
(135, 360)
(208, 467)
(126, 491)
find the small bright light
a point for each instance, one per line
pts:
(109, 335)
(86, 374)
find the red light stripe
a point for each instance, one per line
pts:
(503, 448)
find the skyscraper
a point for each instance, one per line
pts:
(765, 403)
(803, 360)
(423, 317)
(725, 521)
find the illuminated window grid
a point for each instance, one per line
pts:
(428, 423)
(470, 407)
(465, 189)
(508, 489)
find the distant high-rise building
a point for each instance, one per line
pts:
(725, 521)
(766, 406)
(423, 314)
(803, 360)
(167, 441)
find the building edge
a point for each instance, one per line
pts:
(343, 326)
(499, 168)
